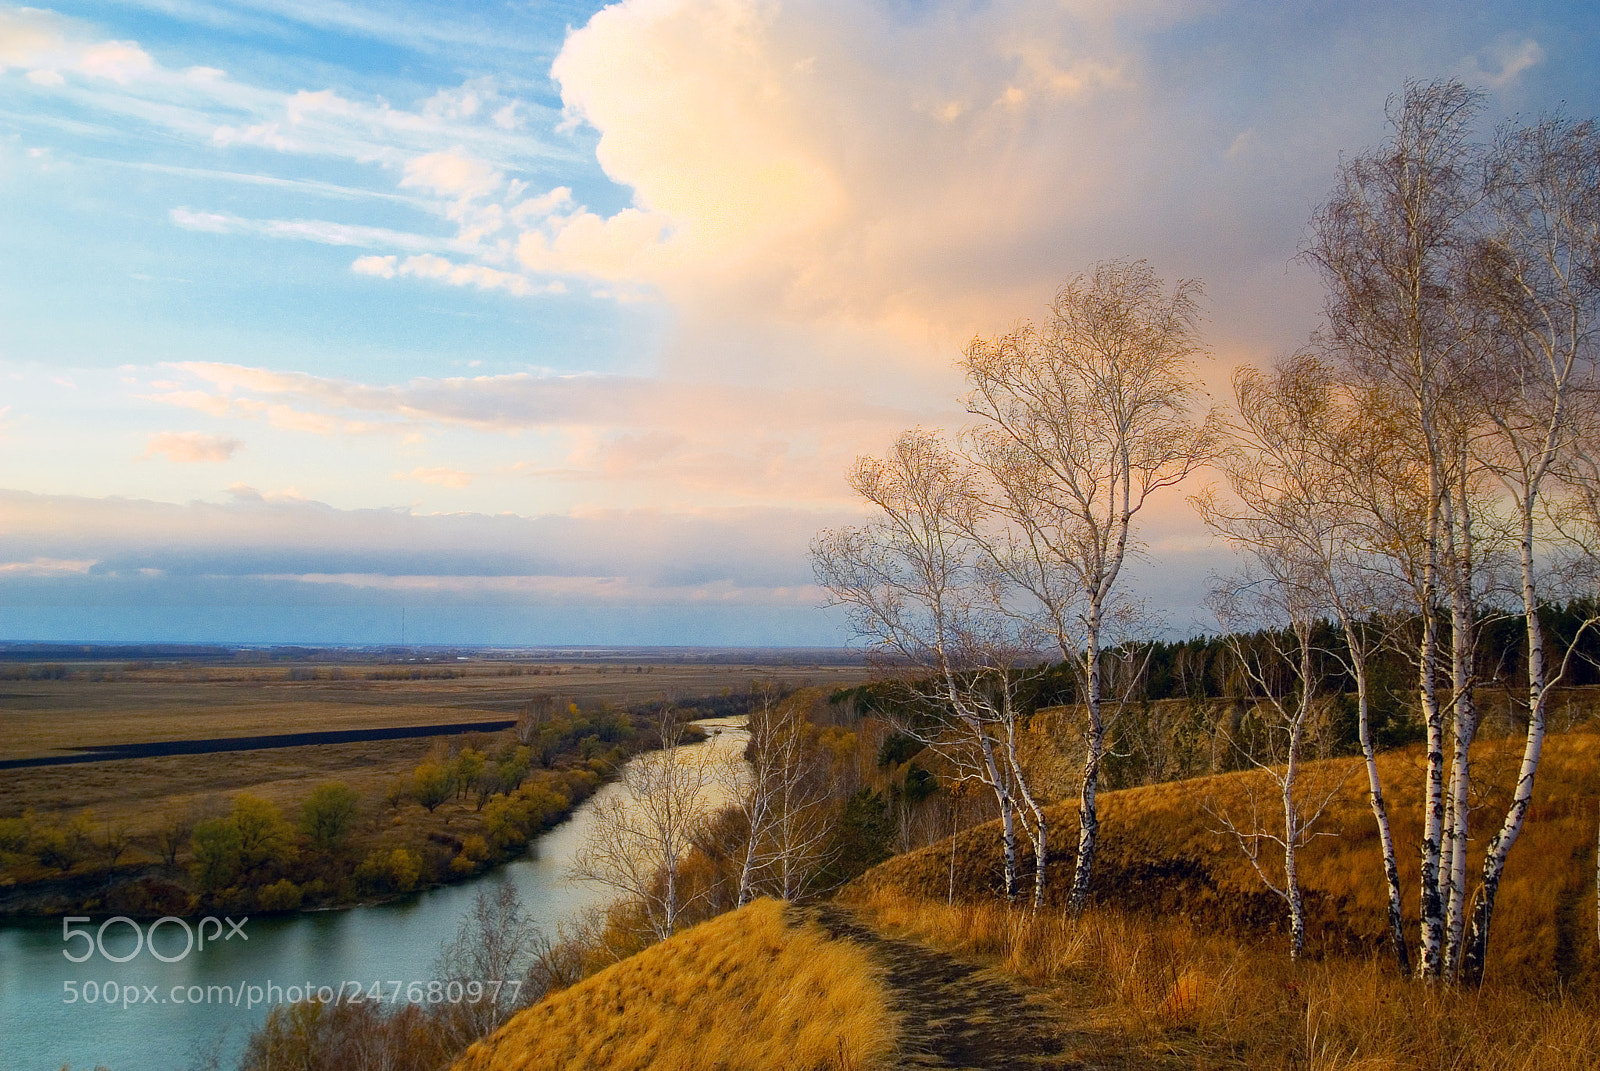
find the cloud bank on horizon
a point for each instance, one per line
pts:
(566, 322)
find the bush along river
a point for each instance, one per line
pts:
(153, 995)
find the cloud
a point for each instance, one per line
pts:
(328, 123)
(331, 190)
(452, 173)
(816, 159)
(429, 266)
(456, 143)
(120, 61)
(27, 35)
(256, 536)
(304, 230)
(192, 446)
(382, 267)
(257, 555)
(517, 401)
(934, 170)
(918, 172)
(48, 43)
(441, 477)
(676, 443)
(1504, 62)
(806, 161)
(46, 567)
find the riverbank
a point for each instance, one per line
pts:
(401, 940)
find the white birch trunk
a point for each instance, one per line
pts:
(1463, 633)
(747, 868)
(1431, 941)
(1038, 831)
(1291, 820)
(1494, 860)
(1380, 809)
(1008, 821)
(1291, 862)
(1094, 749)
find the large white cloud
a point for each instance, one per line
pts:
(827, 159)
(938, 169)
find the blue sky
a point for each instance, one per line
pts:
(561, 324)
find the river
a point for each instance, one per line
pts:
(47, 1020)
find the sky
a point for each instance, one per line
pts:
(553, 323)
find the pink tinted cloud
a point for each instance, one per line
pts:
(192, 446)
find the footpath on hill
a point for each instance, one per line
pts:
(957, 1015)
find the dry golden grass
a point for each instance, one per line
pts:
(1160, 993)
(1182, 963)
(743, 991)
(1161, 853)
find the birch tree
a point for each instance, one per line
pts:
(785, 799)
(1464, 294)
(1536, 276)
(1388, 243)
(643, 832)
(1290, 473)
(913, 588)
(1081, 421)
(1280, 664)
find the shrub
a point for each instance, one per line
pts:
(326, 817)
(50, 846)
(398, 792)
(215, 846)
(14, 833)
(505, 818)
(392, 870)
(281, 895)
(264, 837)
(149, 897)
(475, 848)
(430, 785)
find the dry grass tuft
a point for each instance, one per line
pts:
(745, 990)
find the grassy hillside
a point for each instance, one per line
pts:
(745, 990)
(1181, 962)
(1162, 854)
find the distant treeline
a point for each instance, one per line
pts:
(1207, 667)
(1205, 672)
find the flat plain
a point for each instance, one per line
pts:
(118, 703)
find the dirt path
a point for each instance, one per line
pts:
(957, 1015)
